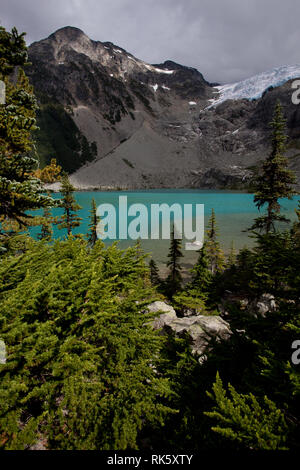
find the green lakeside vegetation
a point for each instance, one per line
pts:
(85, 369)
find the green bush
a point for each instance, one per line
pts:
(81, 360)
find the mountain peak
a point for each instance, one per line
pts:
(68, 33)
(170, 64)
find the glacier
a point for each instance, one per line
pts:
(253, 88)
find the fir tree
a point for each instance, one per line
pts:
(174, 279)
(231, 260)
(95, 219)
(138, 248)
(296, 226)
(46, 226)
(69, 220)
(82, 360)
(275, 180)
(195, 295)
(20, 191)
(214, 253)
(241, 418)
(154, 273)
(298, 212)
(50, 173)
(201, 274)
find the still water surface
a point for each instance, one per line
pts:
(234, 213)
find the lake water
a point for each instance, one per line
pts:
(234, 213)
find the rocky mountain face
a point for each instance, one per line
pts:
(114, 121)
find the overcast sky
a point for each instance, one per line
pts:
(226, 40)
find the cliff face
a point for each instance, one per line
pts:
(113, 120)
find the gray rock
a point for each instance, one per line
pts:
(41, 444)
(198, 328)
(265, 304)
(255, 307)
(167, 314)
(201, 329)
(191, 312)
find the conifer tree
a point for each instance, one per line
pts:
(275, 180)
(296, 226)
(50, 173)
(201, 274)
(298, 212)
(231, 260)
(241, 418)
(94, 218)
(81, 369)
(20, 191)
(194, 296)
(214, 253)
(154, 273)
(46, 226)
(69, 220)
(138, 249)
(174, 279)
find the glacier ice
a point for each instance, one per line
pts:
(252, 88)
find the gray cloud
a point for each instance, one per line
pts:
(227, 40)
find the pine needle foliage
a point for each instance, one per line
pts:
(232, 257)
(20, 191)
(154, 273)
(46, 226)
(81, 356)
(94, 221)
(69, 220)
(194, 296)
(174, 279)
(215, 254)
(257, 426)
(275, 181)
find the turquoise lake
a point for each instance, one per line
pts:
(234, 213)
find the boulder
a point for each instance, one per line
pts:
(264, 304)
(41, 444)
(257, 307)
(167, 314)
(200, 329)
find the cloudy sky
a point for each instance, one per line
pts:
(227, 40)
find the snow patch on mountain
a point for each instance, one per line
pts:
(155, 87)
(155, 69)
(253, 88)
(169, 72)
